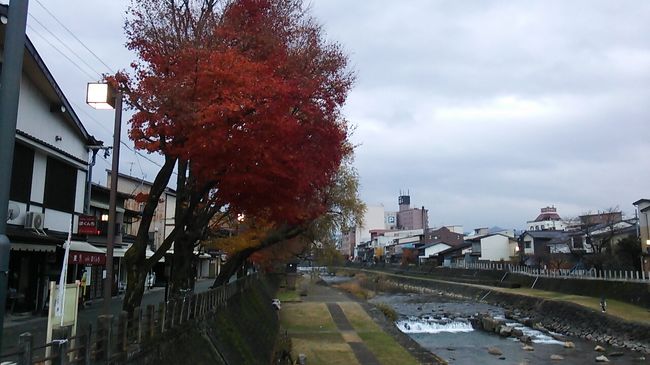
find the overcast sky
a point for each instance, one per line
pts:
(485, 111)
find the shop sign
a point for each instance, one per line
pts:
(86, 258)
(88, 225)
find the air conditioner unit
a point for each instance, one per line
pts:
(34, 220)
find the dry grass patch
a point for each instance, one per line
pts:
(358, 317)
(387, 351)
(323, 350)
(354, 288)
(304, 317)
(615, 308)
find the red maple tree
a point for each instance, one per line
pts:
(246, 99)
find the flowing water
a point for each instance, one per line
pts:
(442, 325)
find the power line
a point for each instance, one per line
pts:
(66, 46)
(61, 52)
(75, 37)
(138, 153)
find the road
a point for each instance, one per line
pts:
(37, 326)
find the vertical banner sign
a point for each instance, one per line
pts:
(58, 307)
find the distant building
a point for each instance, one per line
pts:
(443, 234)
(548, 219)
(411, 218)
(163, 220)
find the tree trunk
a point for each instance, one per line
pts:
(135, 258)
(232, 266)
(136, 276)
(235, 261)
(184, 269)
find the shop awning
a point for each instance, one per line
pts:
(106, 207)
(119, 252)
(83, 246)
(32, 247)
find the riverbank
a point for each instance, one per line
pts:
(331, 327)
(567, 317)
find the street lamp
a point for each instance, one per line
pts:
(102, 96)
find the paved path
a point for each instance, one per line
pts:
(331, 327)
(361, 352)
(37, 325)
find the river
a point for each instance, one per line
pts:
(442, 325)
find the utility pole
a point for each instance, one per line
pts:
(12, 70)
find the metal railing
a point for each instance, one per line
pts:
(117, 340)
(592, 274)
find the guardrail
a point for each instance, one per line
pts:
(118, 340)
(593, 274)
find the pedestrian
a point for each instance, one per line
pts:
(603, 304)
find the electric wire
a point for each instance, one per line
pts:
(75, 37)
(79, 108)
(34, 31)
(100, 124)
(65, 45)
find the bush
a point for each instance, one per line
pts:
(388, 311)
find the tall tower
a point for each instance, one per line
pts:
(404, 201)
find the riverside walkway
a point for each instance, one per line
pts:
(329, 327)
(615, 308)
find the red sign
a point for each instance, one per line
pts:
(87, 225)
(86, 258)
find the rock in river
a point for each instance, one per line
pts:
(494, 351)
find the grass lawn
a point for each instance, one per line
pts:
(288, 296)
(323, 349)
(614, 307)
(314, 334)
(386, 349)
(306, 317)
(379, 343)
(358, 317)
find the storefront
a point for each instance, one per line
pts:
(31, 267)
(86, 264)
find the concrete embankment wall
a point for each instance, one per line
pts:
(636, 293)
(563, 317)
(242, 332)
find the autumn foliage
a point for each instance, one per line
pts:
(253, 105)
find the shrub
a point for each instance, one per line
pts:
(388, 311)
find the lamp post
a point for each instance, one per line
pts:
(14, 48)
(102, 96)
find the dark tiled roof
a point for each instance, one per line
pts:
(543, 234)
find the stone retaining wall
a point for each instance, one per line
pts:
(557, 316)
(636, 293)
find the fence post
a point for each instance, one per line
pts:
(25, 344)
(87, 344)
(172, 313)
(60, 350)
(149, 315)
(195, 298)
(162, 316)
(122, 332)
(137, 325)
(104, 334)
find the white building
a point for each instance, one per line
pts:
(498, 247)
(48, 183)
(548, 219)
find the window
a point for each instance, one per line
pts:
(21, 174)
(527, 244)
(60, 186)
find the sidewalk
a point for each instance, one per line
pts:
(329, 327)
(14, 325)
